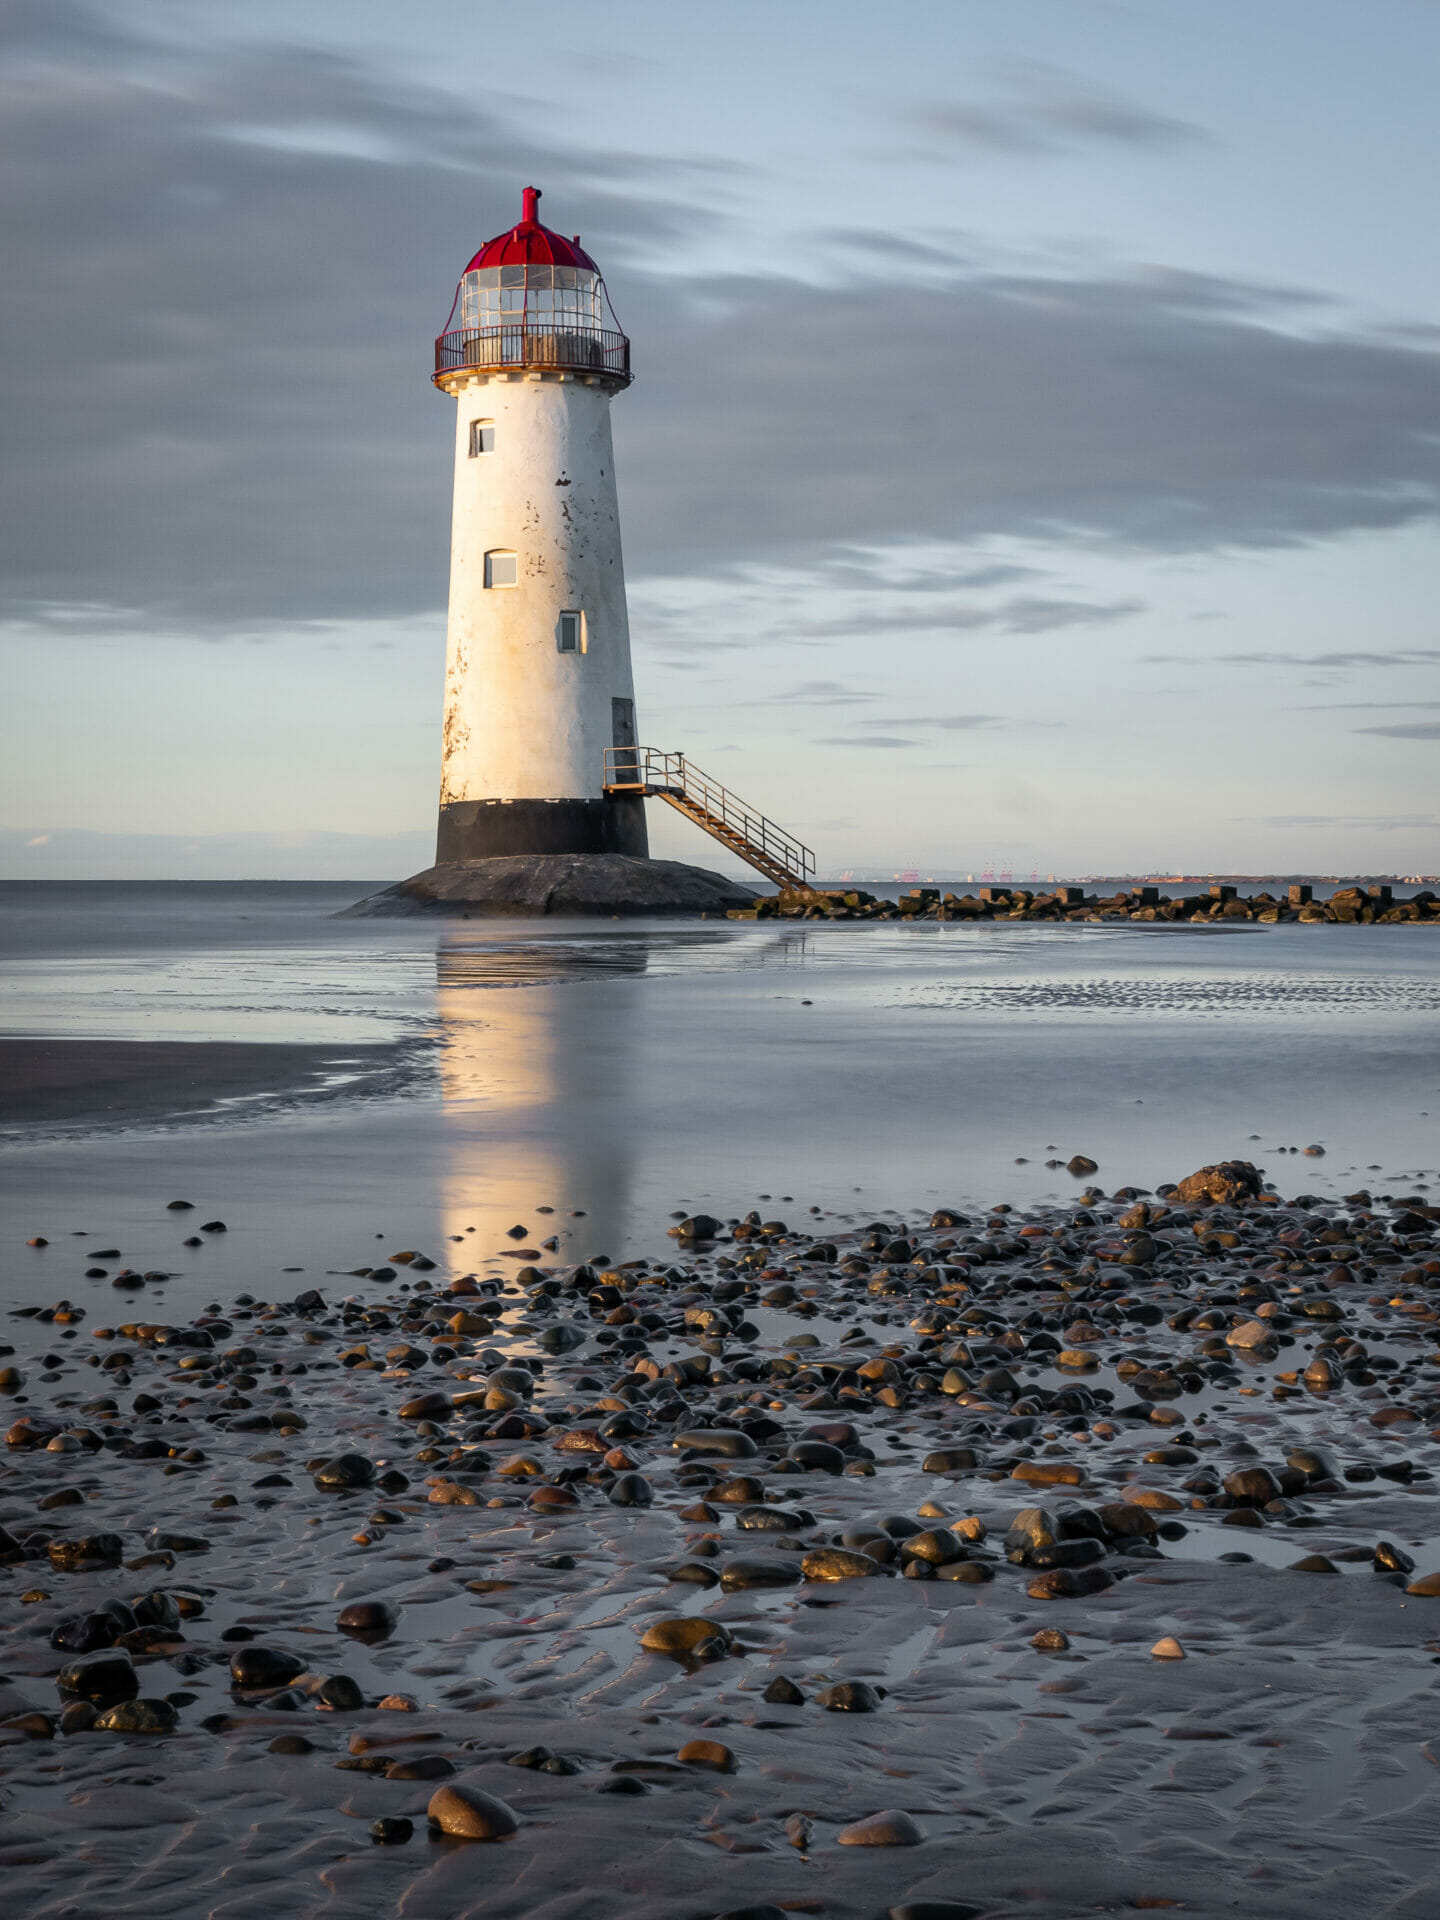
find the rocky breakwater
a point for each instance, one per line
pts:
(1350, 906)
(1044, 1560)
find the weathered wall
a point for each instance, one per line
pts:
(524, 721)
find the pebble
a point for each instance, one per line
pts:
(839, 1563)
(465, 1813)
(682, 1634)
(748, 1570)
(253, 1667)
(849, 1696)
(892, 1828)
(679, 1445)
(138, 1716)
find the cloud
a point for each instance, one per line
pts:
(821, 693)
(1361, 706)
(1378, 822)
(870, 740)
(1029, 615)
(1417, 730)
(1036, 615)
(1408, 657)
(247, 251)
(1046, 111)
(949, 722)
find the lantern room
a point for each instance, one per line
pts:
(530, 298)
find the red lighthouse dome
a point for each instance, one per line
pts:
(531, 298)
(530, 244)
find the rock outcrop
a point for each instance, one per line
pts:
(522, 885)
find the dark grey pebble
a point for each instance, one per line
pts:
(256, 1666)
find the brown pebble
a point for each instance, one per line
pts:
(682, 1633)
(465, 1813)
(892, 1828)
(839, 1563)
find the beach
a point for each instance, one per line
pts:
(735, 1446)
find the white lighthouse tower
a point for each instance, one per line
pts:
(543, 778)
(538, 684)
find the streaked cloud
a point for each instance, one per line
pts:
(867, 740)
(1044, 110)
(948, 722)
(298, 218)
(1404, 657)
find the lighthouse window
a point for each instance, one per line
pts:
(572, 633)
(482, 437)
(501, 570)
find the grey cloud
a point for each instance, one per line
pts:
(856, 567)
(1409, 657)
(217, 413)
(1361, 706)
(823, 693)
(1379, 822)
(1045, 122)
(215, 390)
(1417, 730)
(868, 740)
(1028, 615)
(1150, 412)
(1047, 616)
(949, 722)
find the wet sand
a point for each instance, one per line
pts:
(96, 1083)
(1186, 1401)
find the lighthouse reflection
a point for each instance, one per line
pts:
(537, 1080)
(566, 1078)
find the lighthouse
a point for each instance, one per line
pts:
(543, 778)
(538, 685)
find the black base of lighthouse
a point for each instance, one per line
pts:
(495, 829)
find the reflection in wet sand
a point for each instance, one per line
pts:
(542, 1063)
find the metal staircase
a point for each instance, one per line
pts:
(671, 777)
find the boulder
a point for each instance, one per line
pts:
(1224, 1184)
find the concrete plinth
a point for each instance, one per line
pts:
(521, 886)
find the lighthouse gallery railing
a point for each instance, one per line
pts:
(568, 349)
(722, 814)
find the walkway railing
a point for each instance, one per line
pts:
(570, 349)
(722, 814)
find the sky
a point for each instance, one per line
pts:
(1033, 461)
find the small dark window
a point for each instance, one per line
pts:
(624, 760)
(482, 437)
(571, 637)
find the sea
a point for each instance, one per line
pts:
(574, 1087)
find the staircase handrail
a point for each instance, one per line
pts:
(652, 770)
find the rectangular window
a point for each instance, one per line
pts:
(482, 437)
(501, 569)
(570, 637)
